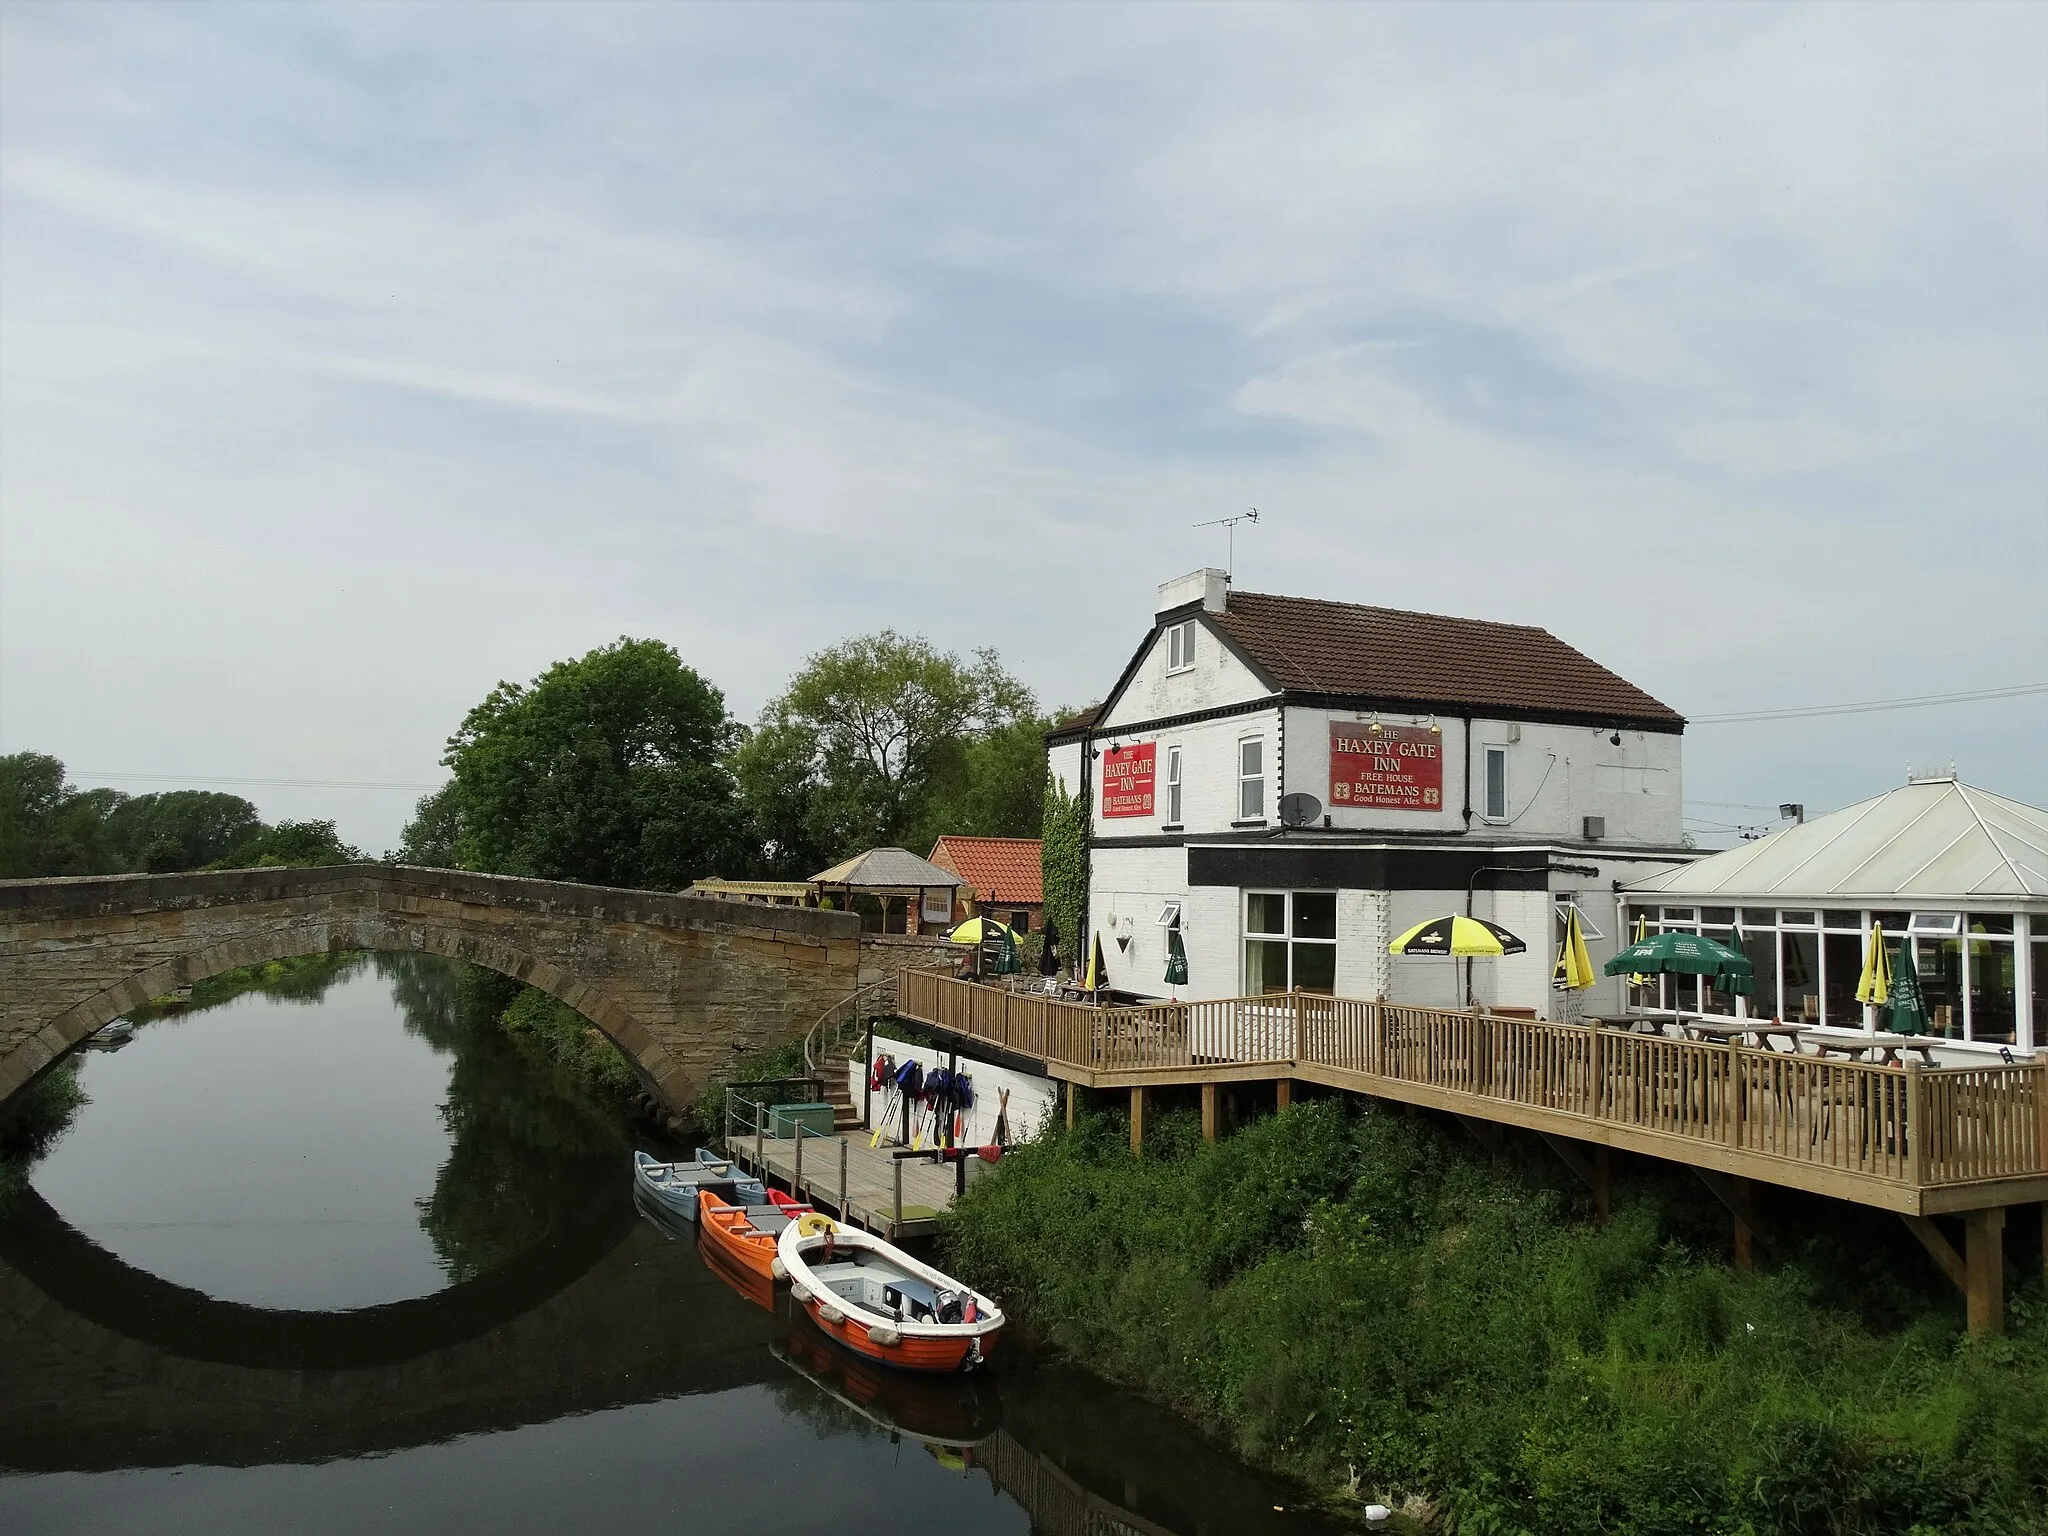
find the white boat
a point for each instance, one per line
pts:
(674, 1186)
(880, 1302)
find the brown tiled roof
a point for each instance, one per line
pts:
(1005, 867)
(1310, 646)
(1074, 724)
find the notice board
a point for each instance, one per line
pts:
(1401, 768)
(1127, 780)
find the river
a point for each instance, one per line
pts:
(351, 1260)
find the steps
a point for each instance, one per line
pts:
(838, 1092)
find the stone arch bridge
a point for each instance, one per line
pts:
(681, 984)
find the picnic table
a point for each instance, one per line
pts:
(1764, 1031)
(1885, 1050)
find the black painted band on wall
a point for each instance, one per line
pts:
(1297, 868)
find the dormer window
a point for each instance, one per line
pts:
(1180, 646)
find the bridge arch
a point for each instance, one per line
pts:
(679, 983)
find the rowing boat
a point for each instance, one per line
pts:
(674, 1186)
(745, 1235)
(879, 1302)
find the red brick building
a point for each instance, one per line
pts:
(1002, 875)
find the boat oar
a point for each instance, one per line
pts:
(882, 1120)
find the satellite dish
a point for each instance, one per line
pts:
(1299, 810)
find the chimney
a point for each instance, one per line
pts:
(1209, 587)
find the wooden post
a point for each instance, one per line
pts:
(1073, 1089)
(1596, 1073)
(796, 1179)
(1208, 1111)
(1300, 1005)
(1137, 1120)
(896, 1164)
(1984, 1268)
(1916, 1126)
(1283, 1095)
(1745, 1256)
(842, 1178)
(760, 1135)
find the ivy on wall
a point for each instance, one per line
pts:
(1063, 856)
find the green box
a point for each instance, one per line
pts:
(816, 1119)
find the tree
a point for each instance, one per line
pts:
(48, 827)
(609, 769)
(430, 839)
(183, 829)
(875, 743)
(291, 845)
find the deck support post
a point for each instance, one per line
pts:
(1750, 1228)
(1283, 1095)
(1209, 1114)
(1592, 1171)
(1485, 1132)
(1072, 1090)
(1984, 1268)
(1137, 1120)
(1938, 1247)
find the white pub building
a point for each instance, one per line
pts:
(1296, 782)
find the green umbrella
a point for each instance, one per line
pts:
(1006, 961)
(1176, 958)
(1686, 954)
(1909, 998)
(1737, 981)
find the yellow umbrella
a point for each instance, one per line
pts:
(1574, 966)
(1097, 974)
(1875, 985)
(1642, 933)
(975, 929)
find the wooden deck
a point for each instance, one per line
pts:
(869, 1197)
(1921, 1141)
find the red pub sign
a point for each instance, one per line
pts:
(1127, 780)
(1399, 769)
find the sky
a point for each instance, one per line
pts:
(353, 359)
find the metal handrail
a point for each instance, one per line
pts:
(811, 1034)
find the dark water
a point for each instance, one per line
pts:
(353, 1263)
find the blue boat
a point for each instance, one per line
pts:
(674, 1186)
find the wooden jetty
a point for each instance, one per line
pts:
(871, 1187)
(1925, 1142)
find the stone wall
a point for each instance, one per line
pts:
(682, 984)
(884, 957)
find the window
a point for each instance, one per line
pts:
(1169, 915)
(1021, 920)
(1173, 786)
(1565, 908)
(1936, 922)
(1251, 779)
(1180, 646)
(1290, 941)
(1497, 783)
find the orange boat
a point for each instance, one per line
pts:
(880, 1302)
(745, 1235)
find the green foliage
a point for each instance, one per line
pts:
(610, 769)
(1063, 865)
(37, 1117)
(572, 1041)
(776, 1064)
(432, 839)
(49, 827)
(1362, 1293)
(886, 741)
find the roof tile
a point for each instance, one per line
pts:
(1005, 867)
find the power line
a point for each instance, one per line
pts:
(2021, 690)
(188, 778)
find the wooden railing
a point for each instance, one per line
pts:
(1974, 1123)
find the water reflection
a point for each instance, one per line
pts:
(580, 1368)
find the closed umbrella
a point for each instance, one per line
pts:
(1642, 933)
(1874, 986)
(1741, 983)
(1176, 957)
(1574, 968)
(1049, 951)
(1004, 943)
(1909, 997)
(1097, 974)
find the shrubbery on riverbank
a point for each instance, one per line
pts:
(1361, 1299)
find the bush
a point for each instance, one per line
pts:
(1359, 1292)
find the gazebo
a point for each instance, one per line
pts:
(892, 889)
(1957, 872)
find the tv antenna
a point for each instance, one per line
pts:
(1229, 527)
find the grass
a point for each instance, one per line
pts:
(1361, 1300)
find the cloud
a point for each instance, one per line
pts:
(353, 358)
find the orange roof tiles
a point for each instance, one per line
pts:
(1002, 869)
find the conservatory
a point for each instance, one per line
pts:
(1955, 872)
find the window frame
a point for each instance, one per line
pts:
(1173, 782)
(1286, 936)
(1180, 647)
(1257, 813)
(1494, 754)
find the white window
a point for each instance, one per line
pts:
(1290, 942)
(1936, 922)
(1496, 783)
(1565, 908)
(1251, 779)
(1173, 786)
(1180, 646)
(1169, 915)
